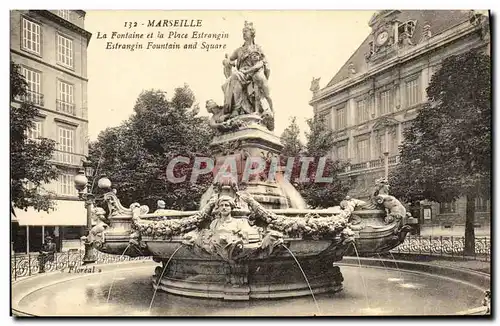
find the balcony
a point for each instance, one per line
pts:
(65, 107)
(33, 98)
(371, 165)
(67, 158)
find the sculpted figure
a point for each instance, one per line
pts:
(394, 208)
(226, 235)
(225, 226)
(95, 235)
(219, 119)
(246, 89)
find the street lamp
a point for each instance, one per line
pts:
(83, 183)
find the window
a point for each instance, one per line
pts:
(36, 131)
(31, 36)
(482, 204)
(326, 118)
(64, 51)
(65, 101)
(342, 152)
(392, 143)
(33, 79)
(385, 102)
(362, 111)
(447, 208)
(412, 93)
(65, 185)
(63, 13)
(363, 149)
(340, 119)
(66, 141)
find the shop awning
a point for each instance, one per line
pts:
(66, 212)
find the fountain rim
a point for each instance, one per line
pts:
(432, 273)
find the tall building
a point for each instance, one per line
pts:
(378, 92)
(50, 46)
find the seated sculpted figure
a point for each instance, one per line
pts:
(246, 89)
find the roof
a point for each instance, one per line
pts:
(439, 21)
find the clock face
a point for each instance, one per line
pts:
(382, 37)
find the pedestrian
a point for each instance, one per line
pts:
(46, 253)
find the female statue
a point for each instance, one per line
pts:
(246, 89)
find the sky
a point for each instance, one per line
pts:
(299, 45)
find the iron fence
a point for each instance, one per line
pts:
(447, 246)
(23, 265)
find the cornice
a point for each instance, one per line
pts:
(61, 21)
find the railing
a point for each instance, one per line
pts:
(376, 163)
(446, 246)
(394, 159)
(23, 265)
(66, 107)
(67, 157)
(372, 164)
(33, 97)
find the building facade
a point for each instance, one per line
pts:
(378, 92)
(50, 46)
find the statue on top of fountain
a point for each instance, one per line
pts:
(246, 89)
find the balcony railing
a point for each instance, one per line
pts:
(68, 158)
(394, 159)
(33, 98)
(371, 164)
(66, 107)
(376, 163)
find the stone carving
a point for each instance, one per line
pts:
(219, 120)
(114, 206)
(395, 210)
(426, 32)
(478, 19)
(246, 90)
(381, 187)
(351, 69)
(226, 235)
(315, 85)
(96, 234)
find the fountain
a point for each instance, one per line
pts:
(252, 238)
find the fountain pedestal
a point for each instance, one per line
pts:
(256, 279)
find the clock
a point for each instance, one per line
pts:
(382, 38)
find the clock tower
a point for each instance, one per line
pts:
(384, 35)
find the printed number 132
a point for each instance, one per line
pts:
(130, 24)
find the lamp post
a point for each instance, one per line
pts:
(386, 155)
(83, 184)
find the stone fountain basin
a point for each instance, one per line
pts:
(373, 236)
(257, 274)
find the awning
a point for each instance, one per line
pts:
(66, 212)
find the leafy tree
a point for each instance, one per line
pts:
(30, 160)
(446, 153)
(136, 154)
(290, 138)
(320, 141)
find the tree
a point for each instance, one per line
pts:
(30, 159)
(446, 153)
(136, 154)
(320, 141)
(290, 138)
